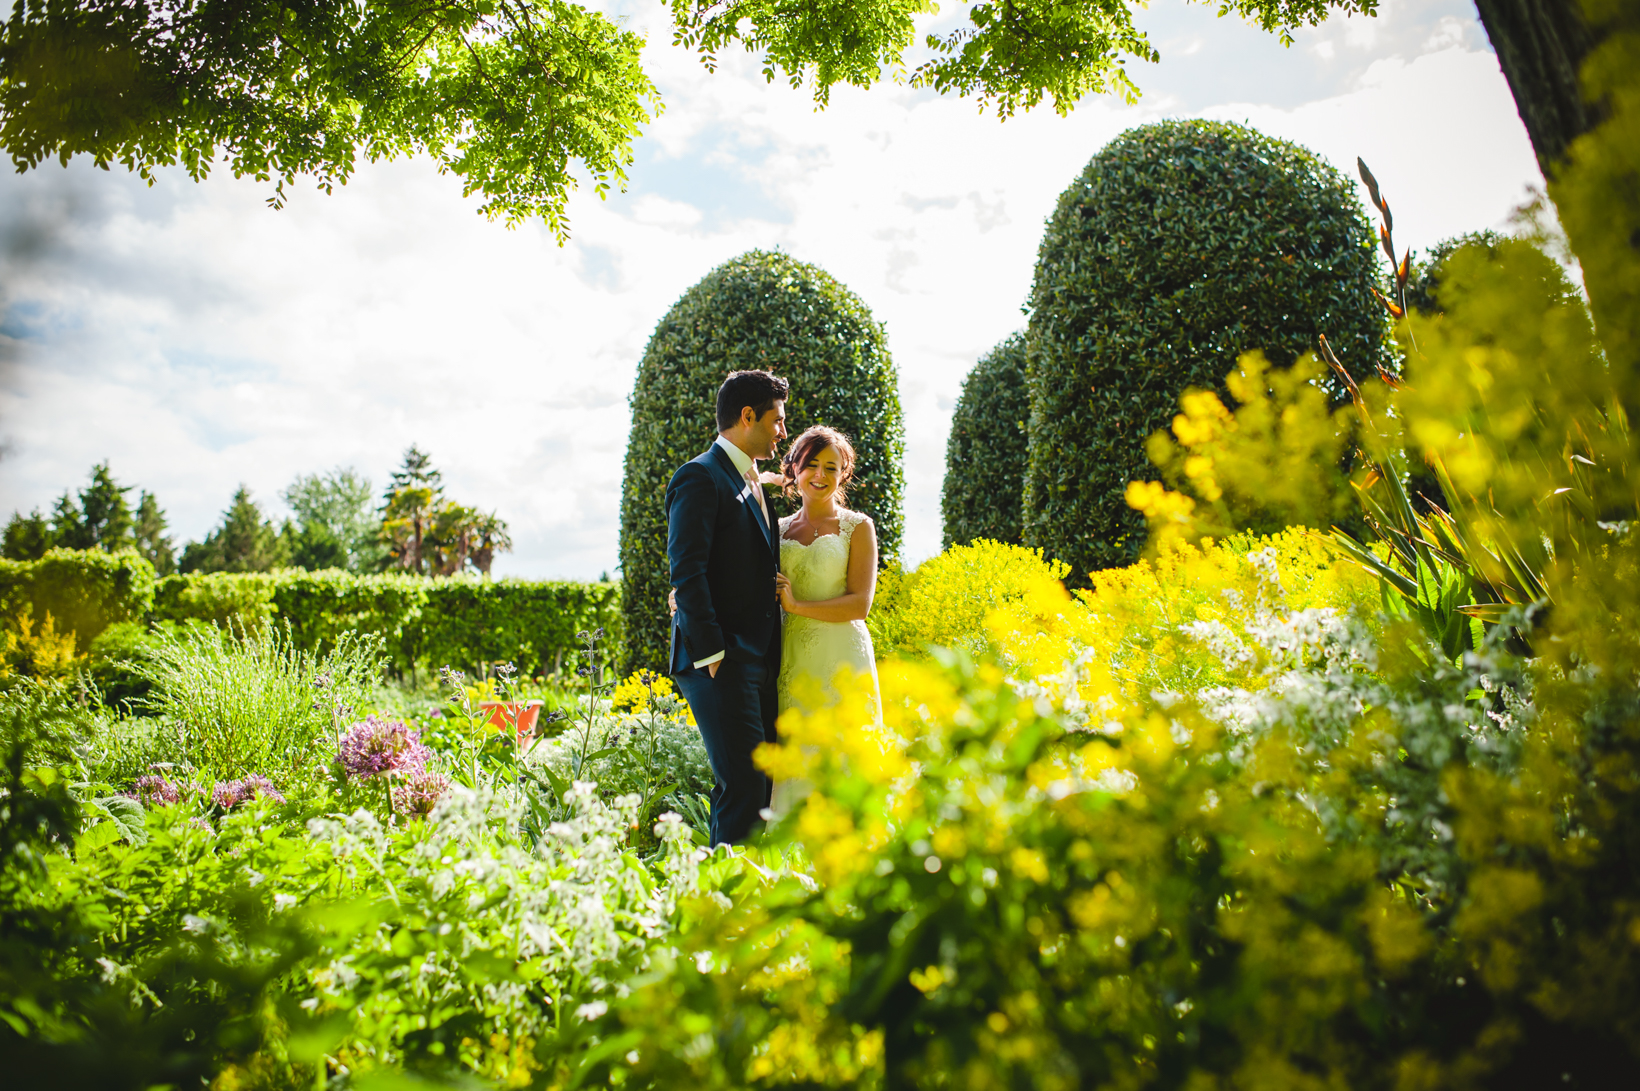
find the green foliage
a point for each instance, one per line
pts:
(36, 651)
(85, 591)
(1422, 289)
(27, 536)
(335, 526)
(469, 622)
(503, 95)
(426, 533)
(1011, 56)
(760, 310)
(150, 538)
(461, 622)
(943, 602)
(243, 542)
(250, 701)
(986, 451)
(1181, 246)
(210, 946)
(100, 518)
(219, 598)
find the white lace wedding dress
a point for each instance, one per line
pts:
(819, 571)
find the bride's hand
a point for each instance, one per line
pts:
(783, 592)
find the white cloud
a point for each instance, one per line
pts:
(199, 340)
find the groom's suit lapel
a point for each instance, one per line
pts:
(743, 494)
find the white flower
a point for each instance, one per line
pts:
(594, 1010)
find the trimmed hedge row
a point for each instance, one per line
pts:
(84, 591)
(424, 622)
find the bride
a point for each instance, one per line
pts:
(828, 574)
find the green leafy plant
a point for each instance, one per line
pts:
(1180, 247)
(986, 451)
(760, 310)
(250, 701)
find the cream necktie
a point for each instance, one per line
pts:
(757, 491)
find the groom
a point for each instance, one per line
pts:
(723, 548)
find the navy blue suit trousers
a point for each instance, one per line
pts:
(723, 556)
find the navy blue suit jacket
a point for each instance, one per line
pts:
(723, 557)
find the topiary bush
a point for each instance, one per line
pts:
(1426, 274)
(985, 453)
(760, 310)
(1181, 246)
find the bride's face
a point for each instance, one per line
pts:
(818, 479)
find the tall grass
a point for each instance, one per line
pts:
(249, 701)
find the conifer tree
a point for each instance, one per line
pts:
(150, 537)
(27, 537)
(243, 542)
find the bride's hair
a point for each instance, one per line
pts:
(811, 443)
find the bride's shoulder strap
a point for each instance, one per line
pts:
(847, 521)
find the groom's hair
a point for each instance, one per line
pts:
(758, 389)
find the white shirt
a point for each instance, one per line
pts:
(744, 463)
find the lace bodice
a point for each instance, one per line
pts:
(819, 570)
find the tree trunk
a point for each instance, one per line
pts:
(1541, 45)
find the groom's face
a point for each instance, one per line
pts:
(767, 432)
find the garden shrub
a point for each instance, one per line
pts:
(245, 701)
(37, 650)
(1277, 460)
(84, 591)
(760, 310)
(458, 622)
(986, 450)
(1423, 288)
(1181, 246)
(531, 623)
(944, 601)
(244, 599)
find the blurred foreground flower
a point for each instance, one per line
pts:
(374, 746)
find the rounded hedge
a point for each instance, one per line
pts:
(985, 453)
(1181, 246)
(1426, 272)
(760, 310)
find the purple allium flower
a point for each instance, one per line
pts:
(374, 746)
(418, 792)
(258, 785)
(153, 790)
(228, 794)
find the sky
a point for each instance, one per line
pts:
(198, 340)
